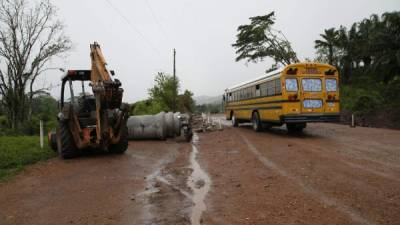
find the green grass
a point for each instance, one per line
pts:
(19, 151)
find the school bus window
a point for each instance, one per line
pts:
(271, 88)
(311, 84)
(291, 84)
(278, 89)
(263, 88)
(331, 85)
(258, 92)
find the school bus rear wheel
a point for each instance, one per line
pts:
(235, 123)
(256, 122)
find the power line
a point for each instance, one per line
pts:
(132, 26)
(156, 20)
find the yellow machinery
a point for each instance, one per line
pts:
(95, 120)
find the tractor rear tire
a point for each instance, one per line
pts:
(122, 145)
(52, 140)
(68, 149)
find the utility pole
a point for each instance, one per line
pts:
(175, 86)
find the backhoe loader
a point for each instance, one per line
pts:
(96, 120)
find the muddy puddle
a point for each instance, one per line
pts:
(199, 182)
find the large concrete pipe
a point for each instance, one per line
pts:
(147, 127)
(160, 126)
(170, 124)
(178, 123)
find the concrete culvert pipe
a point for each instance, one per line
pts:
(160, 126)
(170, 124)
(147, 127)
(177, 123)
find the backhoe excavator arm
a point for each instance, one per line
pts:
(99, 69)
(107, 92)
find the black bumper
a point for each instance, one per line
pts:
(310, 118)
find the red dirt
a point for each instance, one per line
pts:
(331, 174)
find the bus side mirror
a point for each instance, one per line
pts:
(112, 72)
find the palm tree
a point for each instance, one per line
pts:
(329, 41)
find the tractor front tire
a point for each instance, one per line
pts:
(68, 149)
(122, 145)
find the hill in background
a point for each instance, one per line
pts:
(211, 104)
(204, 99)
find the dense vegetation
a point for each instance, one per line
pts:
(16, 152)
(164, 97)
(368, 57)
(44, 108)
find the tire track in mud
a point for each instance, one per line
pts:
(176, 189)
(200, 184)
(166, 199)
(353, 214)
(318, 150)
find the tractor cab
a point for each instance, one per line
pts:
(83, 103)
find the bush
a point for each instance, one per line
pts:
(360, 100)
(146, 107)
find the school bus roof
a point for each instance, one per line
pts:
(276, 73)
(255, 80)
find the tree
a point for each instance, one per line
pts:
(369, 49)
(45, 107)
(186, 102)
(164, 91)
(30, 36)
(162, 96)
(259, 39)
(330, 39)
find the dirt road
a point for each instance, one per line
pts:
(331, 174)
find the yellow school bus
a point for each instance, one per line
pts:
(295, 95)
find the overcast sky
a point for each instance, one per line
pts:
(138, 36)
